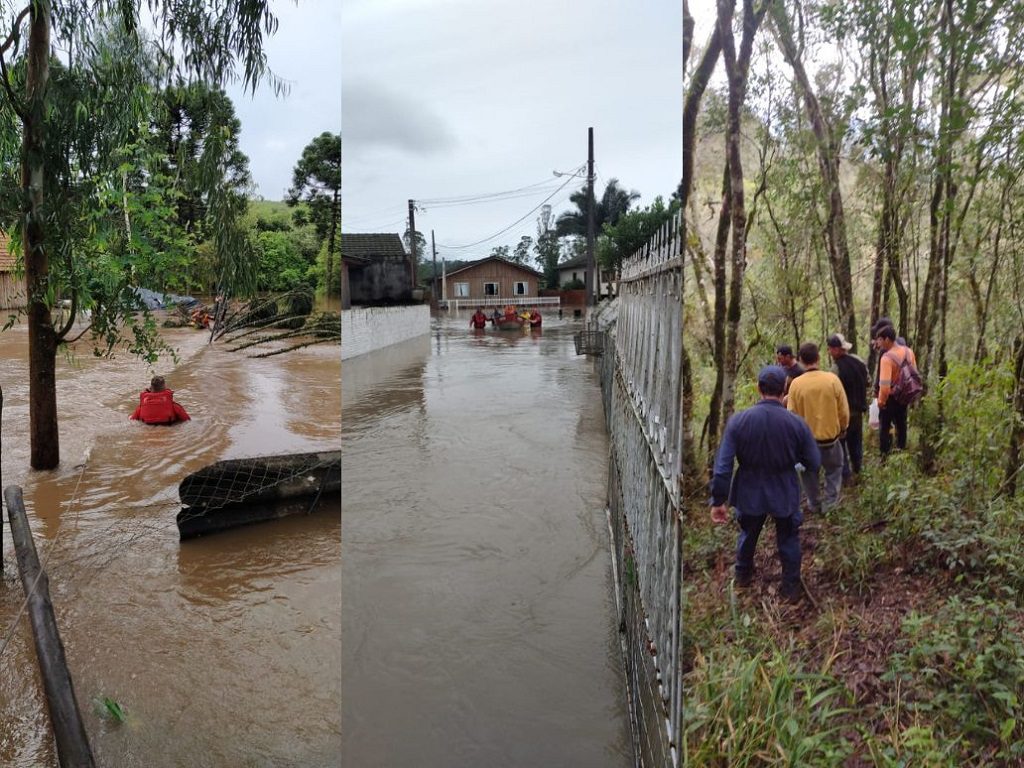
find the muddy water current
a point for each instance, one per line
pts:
(478, 611)
(222, 651)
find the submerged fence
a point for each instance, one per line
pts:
(641, 383)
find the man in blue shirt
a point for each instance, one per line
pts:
(768, 442)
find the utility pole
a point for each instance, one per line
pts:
(433, 287)
(412, 241)
(591, 224)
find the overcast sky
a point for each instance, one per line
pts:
(305, 52)
(450, 98)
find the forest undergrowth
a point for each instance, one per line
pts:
(908, 648)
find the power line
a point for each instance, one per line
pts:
(425, 207)
(459, 199)
(517, 221)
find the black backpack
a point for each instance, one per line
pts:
(908, 388)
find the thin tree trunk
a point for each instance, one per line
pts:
(1013, 455)
(691, 108)
(736, 71)
(42, 338)
(828, 164)
(718, 337)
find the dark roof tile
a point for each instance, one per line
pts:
(372, 245)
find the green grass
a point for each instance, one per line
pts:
(912, 653)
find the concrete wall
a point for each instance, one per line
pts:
(367, 329)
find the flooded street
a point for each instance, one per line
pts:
(479, 617)
(223, 651)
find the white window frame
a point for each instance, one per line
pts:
(497, 289)
(525, 288)
(461, 290)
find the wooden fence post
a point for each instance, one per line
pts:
(73, 749)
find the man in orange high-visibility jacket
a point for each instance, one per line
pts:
(157, 406)
(890, 413)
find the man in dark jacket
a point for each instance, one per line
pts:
(768, 442)
(853, 374)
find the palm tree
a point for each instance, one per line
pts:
(613, 203)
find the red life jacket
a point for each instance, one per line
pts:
(156, 407)
(479, 320)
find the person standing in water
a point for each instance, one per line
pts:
(157, 406)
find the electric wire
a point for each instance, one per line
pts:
(514, 223)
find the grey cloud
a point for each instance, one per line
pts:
(375, 115)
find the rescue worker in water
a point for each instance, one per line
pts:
(157, 406)
(479, 319)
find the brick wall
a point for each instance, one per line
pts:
(367, 329)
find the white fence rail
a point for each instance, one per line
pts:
(454, 305)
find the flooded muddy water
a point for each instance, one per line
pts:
(223, 651)
(478, 609)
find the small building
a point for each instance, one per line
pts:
(576, 269)
(490, 282)
(375, 270)
(573, 269)
(12, 286)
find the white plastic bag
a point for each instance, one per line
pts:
(873, 421)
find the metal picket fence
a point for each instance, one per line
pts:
(641, 371)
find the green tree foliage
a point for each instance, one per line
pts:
(612, 204)
(521, 253)
(548, 251)
(187, 126)
(282, 264)
(316, 181)
(195, 42)
(500, 252)
(632, 231)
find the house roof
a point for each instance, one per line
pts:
(579, 261)
(369, 246)
(473, 264)
(6, 257)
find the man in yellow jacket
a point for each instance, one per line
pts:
(818, 397)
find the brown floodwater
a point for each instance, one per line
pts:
(478, 610)
(223, 651)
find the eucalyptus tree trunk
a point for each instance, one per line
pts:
(828, 165)
(42, 337)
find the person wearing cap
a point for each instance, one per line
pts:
(853, 375)
(767, 443)
(818, 398)
(890, 413)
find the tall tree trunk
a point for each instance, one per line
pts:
(736, 76)
(331, 238)
(1013, 455)
(691, 108)
(718, 337)
(42, 337)
(828, 164)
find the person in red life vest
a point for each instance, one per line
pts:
(157, 406)
(535, 318)
(479, 319)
